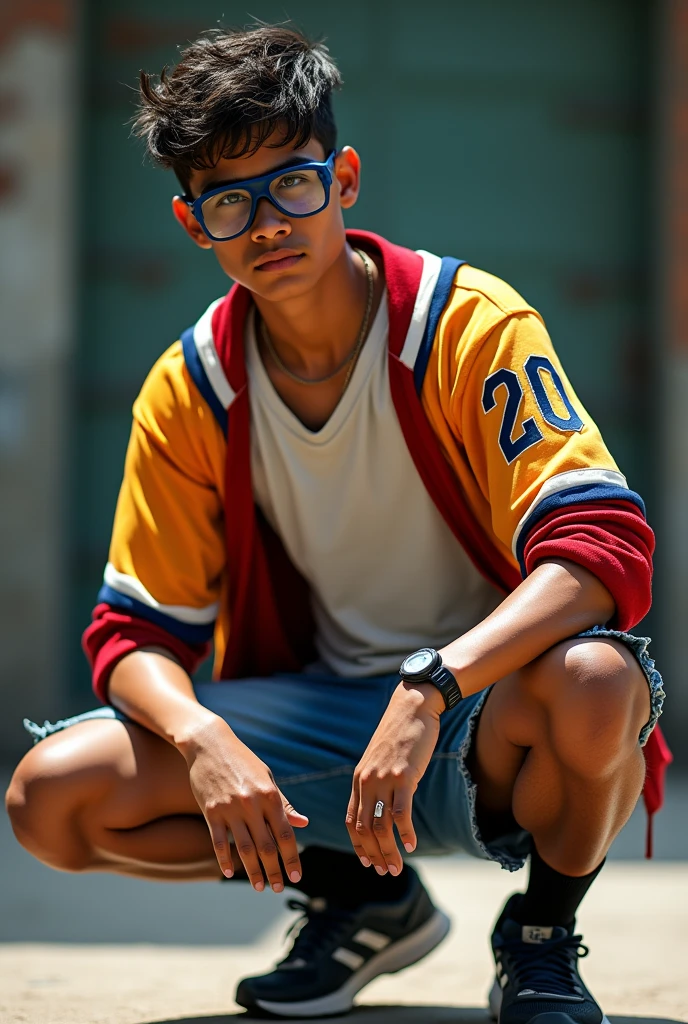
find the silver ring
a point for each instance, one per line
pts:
(379, 808)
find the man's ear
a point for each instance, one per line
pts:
(347, 169)
(184, 215)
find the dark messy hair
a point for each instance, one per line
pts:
(230, 91)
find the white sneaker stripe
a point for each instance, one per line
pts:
(374, 940)
(347, 957)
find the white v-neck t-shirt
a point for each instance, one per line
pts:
(386, 573)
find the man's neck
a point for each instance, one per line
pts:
(315, 332)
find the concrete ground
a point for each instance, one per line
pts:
(107, 950)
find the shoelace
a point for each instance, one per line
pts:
(546, 966)
(314, 930)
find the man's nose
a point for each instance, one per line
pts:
(269, 222)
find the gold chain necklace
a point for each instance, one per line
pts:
(351, 359)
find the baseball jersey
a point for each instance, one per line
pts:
(514, 465)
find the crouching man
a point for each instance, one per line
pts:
(362, 457)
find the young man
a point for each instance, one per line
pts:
(361, 456)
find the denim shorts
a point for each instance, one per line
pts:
(312, 728)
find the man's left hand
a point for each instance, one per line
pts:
(391, 768)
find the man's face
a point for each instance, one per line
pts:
(310, 244)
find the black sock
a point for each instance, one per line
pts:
(341, 879)
(552, 898)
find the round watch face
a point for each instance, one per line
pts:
(419, 663)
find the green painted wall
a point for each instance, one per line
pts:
(513, 135)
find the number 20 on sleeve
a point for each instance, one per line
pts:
(529, 433)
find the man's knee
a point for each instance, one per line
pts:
(42, 803)
(596, 699)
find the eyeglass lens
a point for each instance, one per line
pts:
(298, 192)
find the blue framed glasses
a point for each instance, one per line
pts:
(299, 190)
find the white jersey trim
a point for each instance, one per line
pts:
(128, 586)
(207, 353)
(428, 282)
(564, 481)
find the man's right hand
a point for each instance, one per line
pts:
(233, 788)
(236, 792)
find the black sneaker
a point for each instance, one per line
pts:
(537, 978)
(338, 951)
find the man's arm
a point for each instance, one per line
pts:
(235, 790)
(156, 612)
(557, 600)
(543, 485)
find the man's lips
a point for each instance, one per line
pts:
(280, 259)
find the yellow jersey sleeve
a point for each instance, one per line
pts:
(167, 554)
(506, 414)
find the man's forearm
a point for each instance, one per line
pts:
(234, 789)
(152, 688)
(557, 600)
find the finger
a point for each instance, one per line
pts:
(350, 822)
(267, 848)
(283, 833)
(221, 846)
(367, 826)
(359, 825)
(294, 817)
(246, 849)
(383, 832)
(402, 805)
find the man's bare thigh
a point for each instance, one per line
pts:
(128, 772)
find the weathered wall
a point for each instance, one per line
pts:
(36, 169)
(671, 404)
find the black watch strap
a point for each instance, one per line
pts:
(445, 682)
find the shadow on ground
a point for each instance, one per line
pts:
(397, 1015)
(372, 1015)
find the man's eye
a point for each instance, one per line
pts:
(231, 199)
(289, 180)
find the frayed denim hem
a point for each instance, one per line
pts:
(492, 852)
(39, 732)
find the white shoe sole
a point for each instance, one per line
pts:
(398, 955)
(495, 1001)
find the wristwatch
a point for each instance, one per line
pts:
(425, 666)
